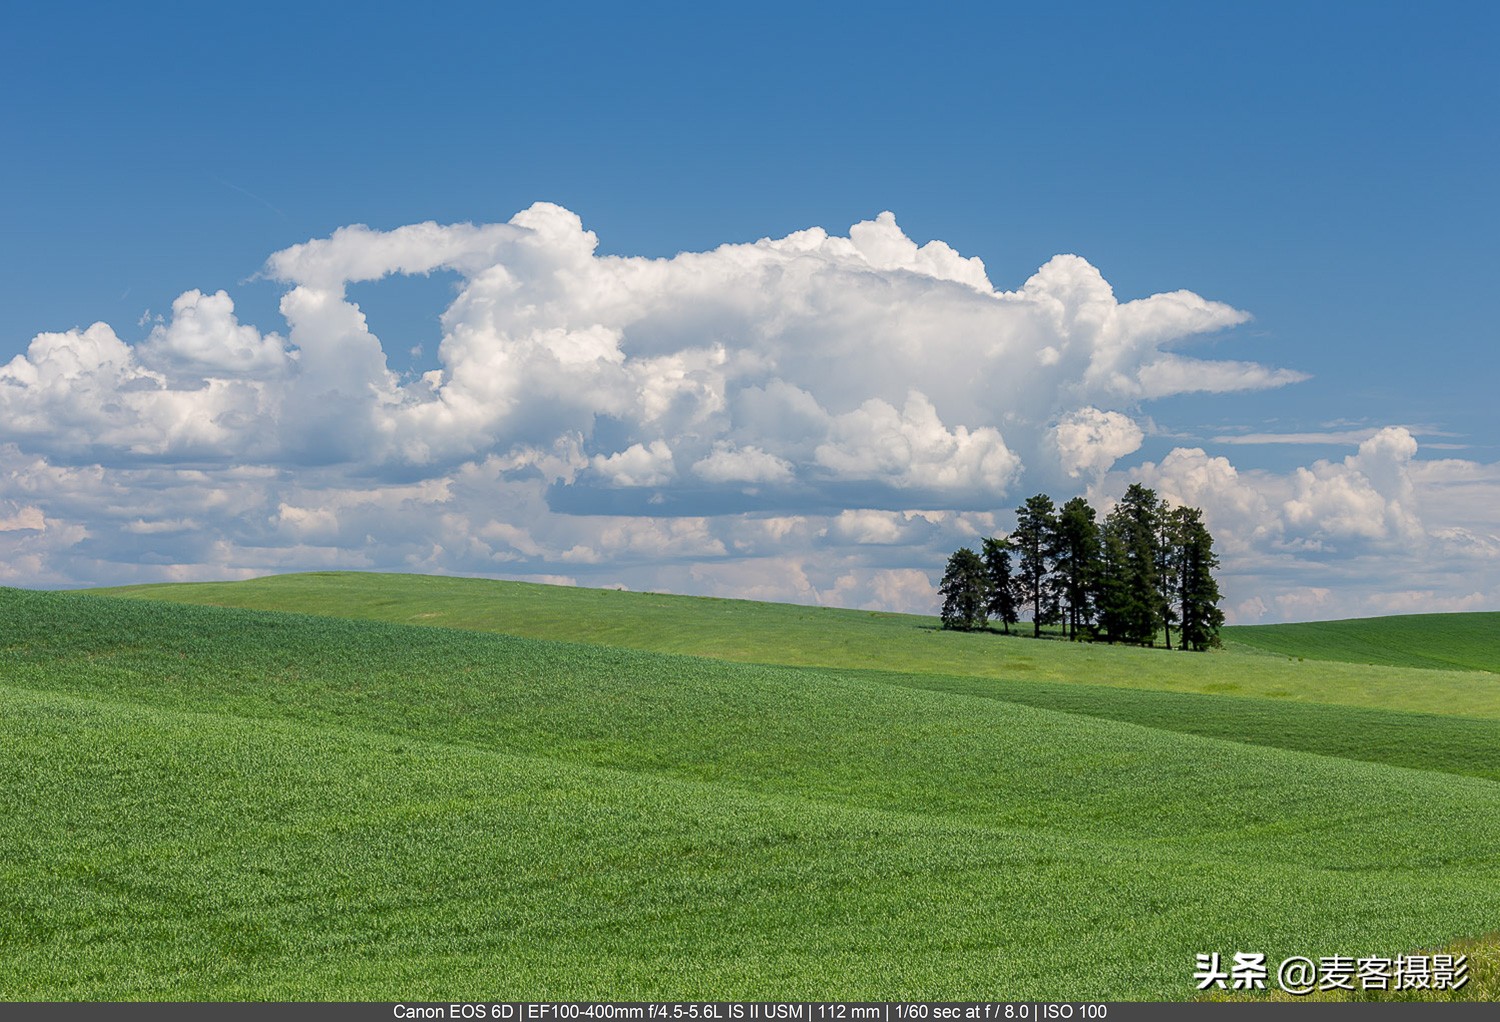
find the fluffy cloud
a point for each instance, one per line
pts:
(1377, 532)
(1367, 496)
(204, 340)
(758, 419)
(912, 449)
(1089, 440)
(887, 363)
(728, 464)
(638, 465)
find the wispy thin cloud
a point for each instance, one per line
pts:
(1345, 437)
(250, 194)
(1348, 437)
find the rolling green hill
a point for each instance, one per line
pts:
(1469, 642)
(744, 631)
(201, 802)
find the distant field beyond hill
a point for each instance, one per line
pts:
(206, 802)
(1467, 642)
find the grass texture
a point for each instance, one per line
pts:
(210, 803)
(743, 631)
(1469, 642)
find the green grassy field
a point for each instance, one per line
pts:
(773, 633)
(1468, 642)
(210, 802)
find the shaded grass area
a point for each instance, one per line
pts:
(1442, 641)
(214, 803)
(1421, 741)
(743, 631)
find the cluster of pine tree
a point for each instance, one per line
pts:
(1147, 569)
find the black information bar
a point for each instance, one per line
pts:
(733, 1011)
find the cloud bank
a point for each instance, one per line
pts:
(814, 417)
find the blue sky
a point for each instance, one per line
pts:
(1326, 169)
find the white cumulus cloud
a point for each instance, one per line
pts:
(638, 465)
(912, 448)
(1377, 532)
(750, 464)
(762, 418)
(1090, 441)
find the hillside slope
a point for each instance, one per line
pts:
(1469, 642)
(744, 631)
(201, 802)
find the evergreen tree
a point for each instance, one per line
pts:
(1130, 600)
(964, 591)
(1077, 562)
(1147, 568)
(1111, 581)
(1001, 582)
(1168, 565)
(1035, 539)
(1198, 591)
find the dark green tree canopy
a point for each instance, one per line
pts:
(964, 592)
(1077, 549)
(1035, 539)
(1133, 607)
(1147, 568)
(1001, 579)
(1198, 592)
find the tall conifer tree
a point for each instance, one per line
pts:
(1035, 539)
(963, 591)
(1198, 591)
(1168, 565)
(1077, 562)
(1111, 581)
(1002, 582)
(1132, 537)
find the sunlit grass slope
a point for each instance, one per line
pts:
(1462, 641)
(199, 802)
(750, 632)
(1423, 741)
